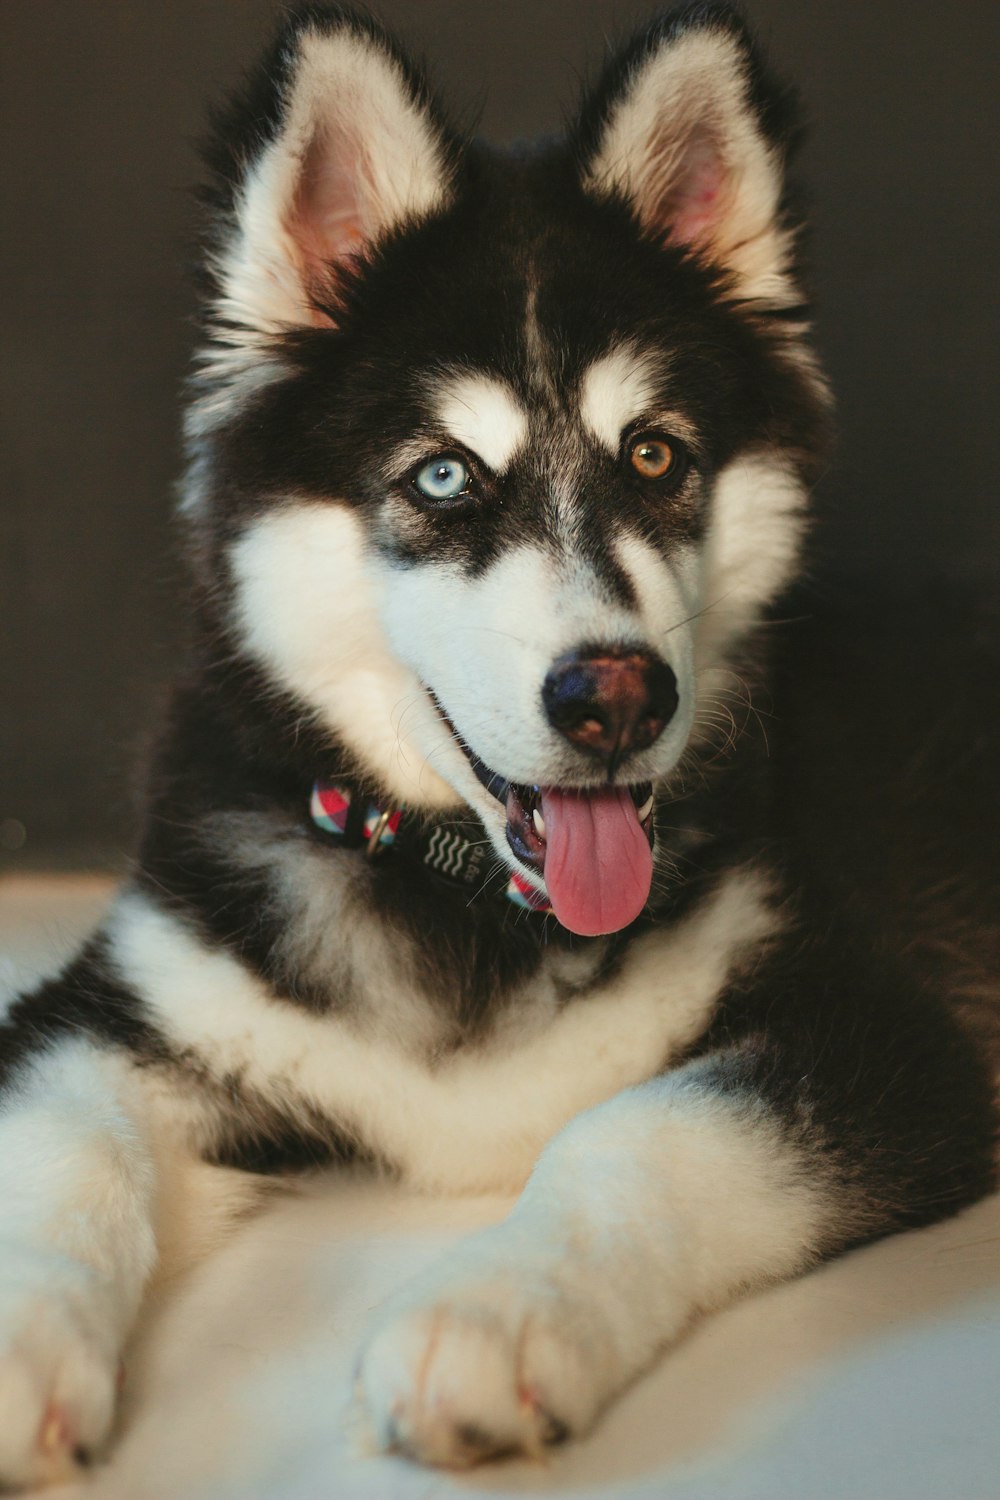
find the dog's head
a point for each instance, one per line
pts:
(499, 458)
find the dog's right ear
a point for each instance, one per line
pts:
(334, 143)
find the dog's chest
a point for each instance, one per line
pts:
(477, 1118)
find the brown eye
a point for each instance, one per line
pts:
(652, 457)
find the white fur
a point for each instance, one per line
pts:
(330, 936)
(485, 644)
(644, 1211)
(307, 610)
(483, 415)
(686, 102)
(76, 1249)
(617, 389)
(474, 1120)
(751, 552)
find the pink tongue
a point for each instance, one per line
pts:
(598, 863)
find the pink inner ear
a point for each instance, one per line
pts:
(691, 207)
(327, 221)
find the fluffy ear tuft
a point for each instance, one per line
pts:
(334, 143)
(689, 129)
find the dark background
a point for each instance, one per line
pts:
(102, 100)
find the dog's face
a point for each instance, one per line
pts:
(500, 458)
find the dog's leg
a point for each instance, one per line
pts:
(640, 1213)
(780, 1147)
(77, 1190)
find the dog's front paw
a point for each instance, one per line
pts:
(490, 1356)
(58, 1374)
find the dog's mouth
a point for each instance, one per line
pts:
(593, 846)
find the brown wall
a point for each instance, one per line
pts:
(101, 100)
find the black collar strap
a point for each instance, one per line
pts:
(356, 823)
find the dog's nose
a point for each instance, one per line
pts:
(610, 700)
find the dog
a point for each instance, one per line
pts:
(469, 854)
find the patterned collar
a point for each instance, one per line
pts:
(357, 823)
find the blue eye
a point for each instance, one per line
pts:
(443, 478)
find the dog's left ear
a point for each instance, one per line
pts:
(689, 129)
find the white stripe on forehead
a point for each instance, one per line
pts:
(482, 414)
(614, 391)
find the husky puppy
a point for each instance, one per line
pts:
(459, 858)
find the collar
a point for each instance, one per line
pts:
(358, 823)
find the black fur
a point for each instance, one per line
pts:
(85, 999)
(884, 813)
